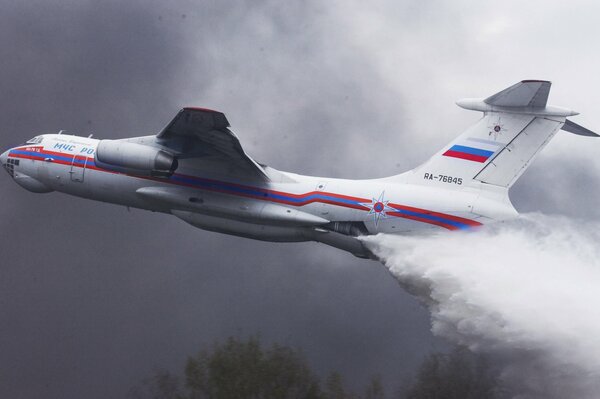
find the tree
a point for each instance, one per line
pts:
(334, 387)
(375, 389)
(162, 385)
(243, 369)
(457, 375)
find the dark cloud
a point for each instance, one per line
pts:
(66, 63)
(95, 297)
(565, 190)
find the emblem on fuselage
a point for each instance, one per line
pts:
(496, 129)
(378, 207)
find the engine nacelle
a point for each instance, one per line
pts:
(133, 158)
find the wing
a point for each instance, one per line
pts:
(200, 132)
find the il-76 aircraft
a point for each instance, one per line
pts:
(196, 170)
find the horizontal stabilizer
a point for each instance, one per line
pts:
(527, 93)
(493, 153)
(574, 128)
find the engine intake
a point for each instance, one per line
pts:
(354, 229)
(133, 158)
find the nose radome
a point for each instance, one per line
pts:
(3, 157)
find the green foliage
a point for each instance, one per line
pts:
(334, 387)
(457, 375)
(375, 389)
(162, 385)
(244, 369)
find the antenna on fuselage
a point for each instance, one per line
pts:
(91, 135)
(60, 131)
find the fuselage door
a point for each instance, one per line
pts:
(322, 208)
(77, 171)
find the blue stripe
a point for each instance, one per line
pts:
(268, 195)
(433, 217)
(50, 156)
(472, 151)
(258, 192)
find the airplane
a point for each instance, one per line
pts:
(196, 170)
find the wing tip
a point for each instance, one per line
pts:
(572, 127)
(535, 81)
(201, 109)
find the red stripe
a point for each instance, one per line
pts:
(260, 197)
(464, 155)
(40, 156)
(348, 197)
(442, 215)
(202, 109)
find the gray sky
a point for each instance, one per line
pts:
(93, 297)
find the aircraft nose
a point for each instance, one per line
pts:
(4, 157)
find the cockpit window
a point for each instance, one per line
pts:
(10, 166)
(35, 140)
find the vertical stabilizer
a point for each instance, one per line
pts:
(516, 125)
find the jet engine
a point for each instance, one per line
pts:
(133, 158)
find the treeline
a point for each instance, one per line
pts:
(241, 369)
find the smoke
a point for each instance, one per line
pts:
(526, 292)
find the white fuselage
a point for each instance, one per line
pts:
(196, 169)
(288, 207)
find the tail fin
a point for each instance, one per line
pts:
(516, 125)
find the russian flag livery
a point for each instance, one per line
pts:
(468, 153)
